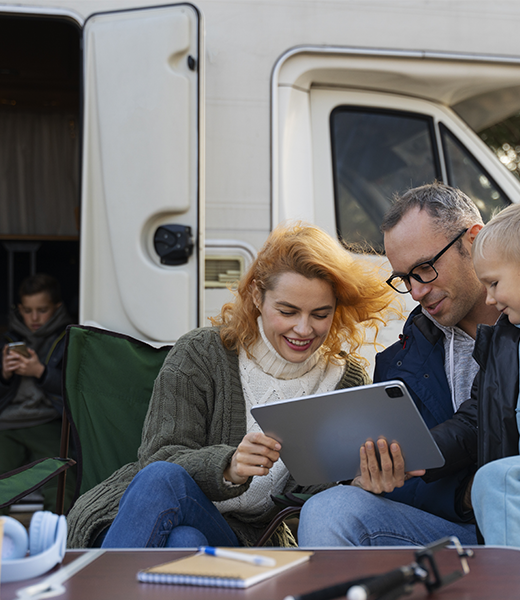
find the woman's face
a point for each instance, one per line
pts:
(296, 314)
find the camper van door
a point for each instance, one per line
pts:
(141, 221)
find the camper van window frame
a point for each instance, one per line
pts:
(446, 132)
(368, 245)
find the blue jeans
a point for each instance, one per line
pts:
(348, 516)
(164, 508)
(495, 496)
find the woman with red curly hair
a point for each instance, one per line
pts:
(205, 471)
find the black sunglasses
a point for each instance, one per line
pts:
(424, 272)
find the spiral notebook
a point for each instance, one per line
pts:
(215, 571)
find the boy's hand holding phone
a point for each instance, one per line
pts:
(13, 361)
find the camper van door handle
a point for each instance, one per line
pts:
(174, 244)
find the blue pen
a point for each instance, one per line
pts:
(255, 559)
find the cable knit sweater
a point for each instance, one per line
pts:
(196, 418)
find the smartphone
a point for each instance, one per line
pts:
(19, 347)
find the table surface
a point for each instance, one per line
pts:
(494, 574)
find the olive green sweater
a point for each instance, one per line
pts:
(196, 419)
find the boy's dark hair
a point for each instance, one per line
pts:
(41, 282)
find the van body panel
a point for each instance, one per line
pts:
(244, 141)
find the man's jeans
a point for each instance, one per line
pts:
(164, 507)
(495, 496)
(348, 516)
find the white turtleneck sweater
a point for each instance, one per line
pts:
(268, 378)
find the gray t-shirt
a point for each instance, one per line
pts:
(459, 364)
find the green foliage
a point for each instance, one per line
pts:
(504, 139)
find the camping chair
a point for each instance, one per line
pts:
(108, 379)
(290, 505)
(107, 385)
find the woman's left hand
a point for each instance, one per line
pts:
(255, 455)
(385, 478)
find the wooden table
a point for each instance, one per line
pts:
(495, 574)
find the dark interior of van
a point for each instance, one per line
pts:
(40, 75)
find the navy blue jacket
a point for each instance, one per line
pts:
(418, 360)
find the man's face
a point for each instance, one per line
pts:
(501, 279)
(456, 291)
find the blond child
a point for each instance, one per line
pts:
(496, 488)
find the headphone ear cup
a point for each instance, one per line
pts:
(16, 540)
(42, 532)
(48, 540)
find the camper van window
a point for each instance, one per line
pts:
(467, 174)
(376, 154)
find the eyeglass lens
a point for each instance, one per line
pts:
(424, 273)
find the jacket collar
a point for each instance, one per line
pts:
(508, 333)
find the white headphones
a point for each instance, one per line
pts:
(46, 543)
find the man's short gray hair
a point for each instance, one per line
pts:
(449, 207)
(502, 234)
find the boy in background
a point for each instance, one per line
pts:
(31, 400)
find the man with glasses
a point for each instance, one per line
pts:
(428, 234)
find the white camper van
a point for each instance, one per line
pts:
(147, 151)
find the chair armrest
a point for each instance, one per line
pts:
(16, 484)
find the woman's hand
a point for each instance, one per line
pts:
(255, 455)
(12, 362)
(385, 478)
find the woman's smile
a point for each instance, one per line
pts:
(300, 344)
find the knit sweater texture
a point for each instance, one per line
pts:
(196, 419)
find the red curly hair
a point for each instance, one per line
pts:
(363, 298)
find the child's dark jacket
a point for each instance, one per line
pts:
(485, 428)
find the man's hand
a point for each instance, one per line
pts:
(12, 362)
(255, 455)
(390, 475)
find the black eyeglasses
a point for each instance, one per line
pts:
(423, 273)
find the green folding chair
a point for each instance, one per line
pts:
(108, 379)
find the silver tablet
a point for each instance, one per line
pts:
(321, 435)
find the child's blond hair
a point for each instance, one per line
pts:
(501, 234)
